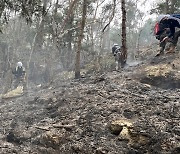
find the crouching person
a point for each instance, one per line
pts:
(116, 51)
(167, 30)
(20, 76)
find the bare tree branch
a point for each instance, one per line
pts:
(112, 16)
(68, 14)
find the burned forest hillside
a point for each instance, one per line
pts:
(135, 110)
(89, 77)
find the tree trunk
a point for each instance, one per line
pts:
(124, 47)
(73, 3)
(7, 81)
(172, 6)
(8, 77)
(38, 36)
(77, 63)
(166, 7)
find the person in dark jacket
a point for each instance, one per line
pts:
(20, 76)
(166, 32)
(116, 51)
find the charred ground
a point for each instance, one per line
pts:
(75, 116)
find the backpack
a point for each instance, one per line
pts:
(156, 28)
(175, 15)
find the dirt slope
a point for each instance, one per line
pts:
(79, 116)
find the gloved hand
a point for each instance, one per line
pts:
(165, 39)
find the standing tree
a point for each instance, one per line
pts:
(124, 47)
(166, 8)
(80, 37)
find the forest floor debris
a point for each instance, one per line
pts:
(13, 93)
(75, 116)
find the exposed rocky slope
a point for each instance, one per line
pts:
(135, 111)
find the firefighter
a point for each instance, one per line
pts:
(20, 76)
(165, 31)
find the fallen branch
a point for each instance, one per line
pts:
(4, 147)
(68, 127)
(42, 128)
(138, 95)
(111, 17)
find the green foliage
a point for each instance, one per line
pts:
(107, 62)
(24, 8)
(173, 6)
(131, 15)
(147, 32)
(107, 8)
(133, 25)
(115, 35)
(101, 64)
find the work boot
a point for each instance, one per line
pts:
(171, 50)
(159, 54)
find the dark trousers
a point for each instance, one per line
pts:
(173, 40)
(18, 81)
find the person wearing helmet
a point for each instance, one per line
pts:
(20, 76)
(165, 31)
(116, 51)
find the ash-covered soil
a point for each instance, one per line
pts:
(76, 116)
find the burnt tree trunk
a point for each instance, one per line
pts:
(124, 47)
(77, 62)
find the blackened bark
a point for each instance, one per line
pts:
(124, 47)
